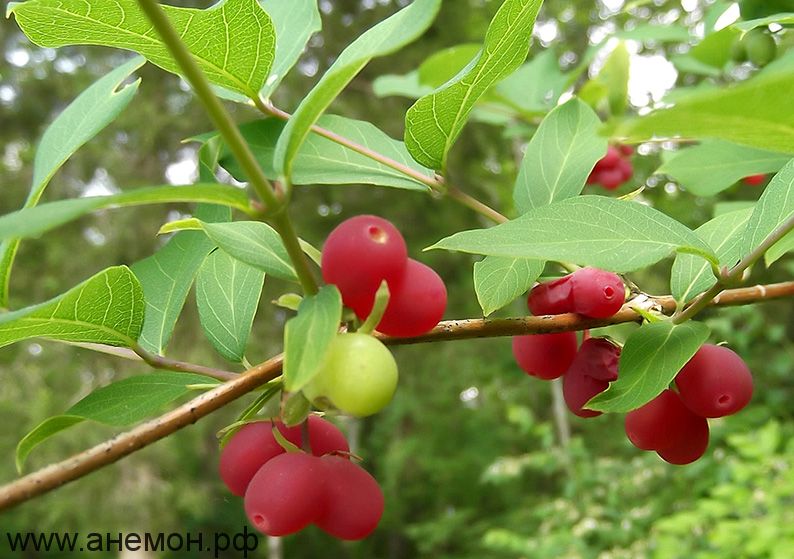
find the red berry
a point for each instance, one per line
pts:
(354, 501)
(287, 494)
(596, 293)
(360, 253)
(609, 160)
(417, 300)
(626, 169)
(612, 178)
(715, 382)
(592, 178)
(626, 151)
(546, 356)
(754, 180)
(254, 445)
(552, 297)
(690, 445)
(593, 368)
(660, 423)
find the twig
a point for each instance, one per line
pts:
(168, 364)
(97, 457)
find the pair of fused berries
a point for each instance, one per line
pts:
(287, 491)
(613, 169)
(589, 291)
(366, 250)
(586, 371)
(714, 383)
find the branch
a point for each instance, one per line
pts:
(231, 134)
(435, 183)
(167, 364)
(106, 453)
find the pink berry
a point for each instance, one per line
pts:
(354, 501)
(609, 160)
(593, 368)
(546, 356)
(287, 494)
(626, 169)
(612, 178)
(254, 445)
(360, 253)
(660, 423)
(626, 151)
(597, 293)
(552, 297)
(754, 180)
(417, 301)
(715, 382)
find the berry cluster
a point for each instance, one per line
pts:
(714, 383)
(365, 250)
(613, 169)
(586, 370)
(287, 491)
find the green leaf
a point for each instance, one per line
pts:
(434, 122)
(498, 281)
(442, 66)
(119, 404)
(615, 76)
(775, 206)
(166, 277)
(322, 161)
(559, 157)
(714, 165)
(294, 22)
(385, 38)
(227, 295)
(105, 309)
(233, 41)
(692, 275)
(781, 19)
(31, 222)
(93, 110)
(715, 48)
(657, 33)
(406, 85)
(754, 113)
(615, 235)
(252, 242)
(536, 86)
(651, 358)
(308, 336)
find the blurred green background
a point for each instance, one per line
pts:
(469, 454)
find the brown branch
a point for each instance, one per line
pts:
(106, 453)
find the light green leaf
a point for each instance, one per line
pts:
(227, 295)
(31, 222)
(92, 111)
(442, 66)
(714, 165)
(536, 86)
(754, 113)
(295, 22)
(385, 38)
(406, 85)
(321, 161)
(651, 358)
(715, 48)
(775, 206)
(615, 235)
(252, 242)
(105, 309)
(308, 336)
(692, 275)
(166, 277)
(559, 157)
(657, 33)
(119, 404)
(781, 19)
(615, 76)
(498, 281)
(434, 122)
(233, 41)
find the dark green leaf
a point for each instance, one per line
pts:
(498, 281)
(775, 206)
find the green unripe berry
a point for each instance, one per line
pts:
(738, 51)
(358, 376)
(760, 46)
